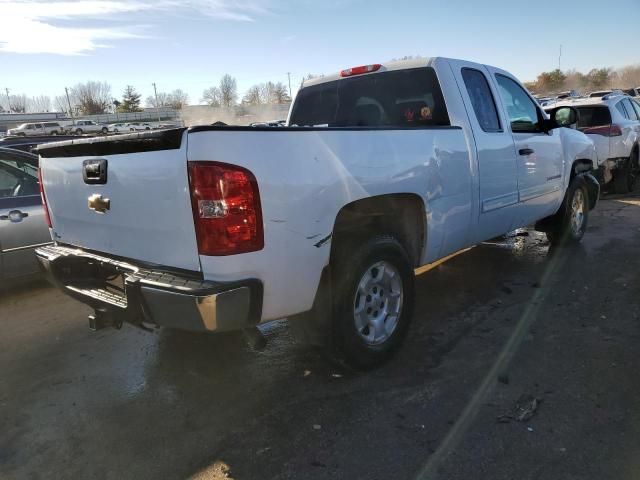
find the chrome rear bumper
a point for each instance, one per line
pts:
(151, 295)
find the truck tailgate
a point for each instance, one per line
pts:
(149, 216)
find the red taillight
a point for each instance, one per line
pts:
(226, 209)
(360, 70)
(612, 130)
(43, 197)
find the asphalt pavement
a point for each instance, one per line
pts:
(521, 363)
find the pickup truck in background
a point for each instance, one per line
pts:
(381, 169)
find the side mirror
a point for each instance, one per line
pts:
(563, 117)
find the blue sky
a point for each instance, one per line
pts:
(46, 45)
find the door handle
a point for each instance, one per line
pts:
(525, 151)
(14, 216)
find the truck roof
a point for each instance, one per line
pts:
(386, 66)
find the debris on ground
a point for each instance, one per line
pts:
(317, 427)
(336, 375)
(523, 411)
(306, 373)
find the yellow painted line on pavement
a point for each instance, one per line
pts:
(430, 266)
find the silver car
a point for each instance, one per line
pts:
(22, 221)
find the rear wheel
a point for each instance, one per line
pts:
(624, 178)
(573, 215)
(373, 291)
(54, 132)
(78, 131)
(105, 130)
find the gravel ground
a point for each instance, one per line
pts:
(507, 322)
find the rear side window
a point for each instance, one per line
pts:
(484, 105)
(593, 117)
(636, 107)
(622, 110)
(630, 111)
(403, 98)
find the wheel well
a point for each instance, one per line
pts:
(581, 165)
(400, 215)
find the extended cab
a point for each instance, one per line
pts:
(381, 169)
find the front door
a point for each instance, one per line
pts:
(539, 153)
(22, 222)
(496, 159)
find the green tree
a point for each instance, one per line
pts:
(130, 100)
(551, 81)
(599, 77)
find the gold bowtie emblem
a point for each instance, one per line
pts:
(99, 204)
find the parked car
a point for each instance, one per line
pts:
(117, 128)
(569, 94)
(602, 93)
(137, 126)
(612, 122)
(27, 144)
(383, 168)
(33, 129)
(81, 127)
(22, 219)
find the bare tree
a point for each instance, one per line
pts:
(18, 103)
(228, 91)
(280, 93)
(163, 100)
(253, 96)
(91, 97)
(60, 104)
(41, 103)
(212, 96)
(266, 93)
(177, 99)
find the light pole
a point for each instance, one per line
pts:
(8, 100)
(155, 92)
(66, 90)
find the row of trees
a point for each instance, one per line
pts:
(91, 98)
(595, 79)
(226, 94)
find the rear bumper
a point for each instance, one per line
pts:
(147, 295)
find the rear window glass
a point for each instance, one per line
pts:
(403, 98)
(593, 117)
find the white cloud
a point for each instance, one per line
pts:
(59, 27)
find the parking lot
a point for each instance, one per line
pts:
(507, 320)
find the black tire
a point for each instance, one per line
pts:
(352, 262)
(54, 133)
(624, 178)
(564, 230)
(105, 130)
(78, 131)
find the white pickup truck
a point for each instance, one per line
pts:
(381, 169)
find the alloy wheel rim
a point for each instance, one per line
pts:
(577, 212)
(378, 302)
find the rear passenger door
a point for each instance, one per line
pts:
(497, 178)
(539, 153)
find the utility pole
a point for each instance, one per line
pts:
(66, 90)
(289, 75)
(155, 92)
(560, 59)
(8, 100)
